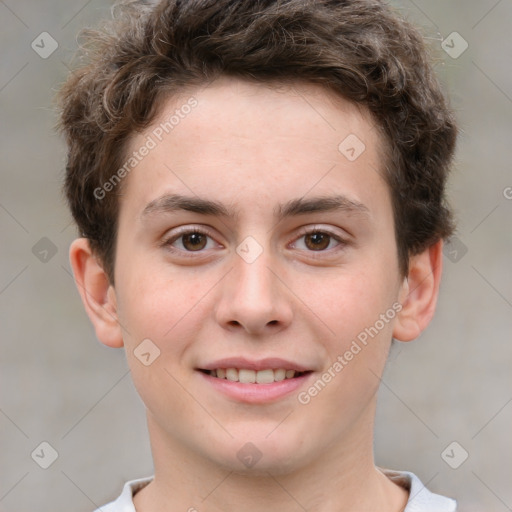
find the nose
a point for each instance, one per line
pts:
(254, 299)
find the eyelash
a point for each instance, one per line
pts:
(180, 234)
(341, 243)
(316, 230)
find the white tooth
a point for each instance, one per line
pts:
(265, 376)
(290, 374)
(279, 374)
(247, 376)
(232, 374)
(221, 373)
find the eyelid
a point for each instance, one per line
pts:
(324, 255)
(318, 228)
(180, 231)
(174, 234)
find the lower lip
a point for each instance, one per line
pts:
(257, 393)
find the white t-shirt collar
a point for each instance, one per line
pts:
(420, 498)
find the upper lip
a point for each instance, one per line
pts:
(260, 364)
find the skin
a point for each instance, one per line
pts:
(252, 148)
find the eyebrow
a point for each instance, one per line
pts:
(170, 203)
(321, 204)
(173, 202)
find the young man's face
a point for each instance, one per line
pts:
(248, 238)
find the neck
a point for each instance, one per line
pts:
(342, 479)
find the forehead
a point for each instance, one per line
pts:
(239, 139)
(244, 108)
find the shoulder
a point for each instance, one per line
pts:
(124, 503)
(420, 498)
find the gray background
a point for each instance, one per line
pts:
(61, 386)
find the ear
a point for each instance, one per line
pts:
(419, 293)
(98, 295)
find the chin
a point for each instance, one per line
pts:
(257, 455)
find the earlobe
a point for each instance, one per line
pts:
(98, 295)
(419, 293)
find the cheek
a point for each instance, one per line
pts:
(155, 300)
(359, 311)
(349, 302)
(159, 317)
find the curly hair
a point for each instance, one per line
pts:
(360, 49)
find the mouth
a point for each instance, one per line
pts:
(255, 382)
(250, 376)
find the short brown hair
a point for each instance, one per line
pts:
(361, 49)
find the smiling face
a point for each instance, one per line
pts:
(246, 233)
(253, 238)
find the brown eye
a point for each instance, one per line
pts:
(194, 241)
(317, 241)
